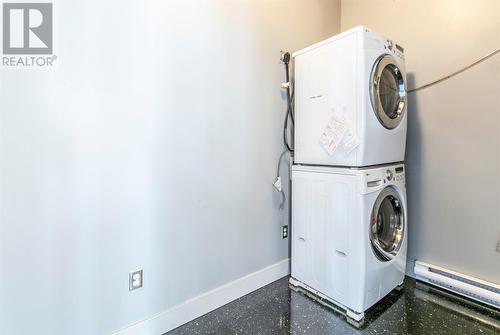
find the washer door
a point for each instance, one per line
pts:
(387, 226)
(388, 92)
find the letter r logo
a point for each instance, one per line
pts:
(27, 28)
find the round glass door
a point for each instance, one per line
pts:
(388, 92)
(387, 226)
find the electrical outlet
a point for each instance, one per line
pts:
(284, 232)
(135, 280)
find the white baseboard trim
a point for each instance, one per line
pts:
(207, 302)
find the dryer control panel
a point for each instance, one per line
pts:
(394, 48)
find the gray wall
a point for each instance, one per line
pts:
(453, 152)
(153, 145)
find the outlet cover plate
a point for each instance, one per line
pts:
(135, 280)
(284, 232)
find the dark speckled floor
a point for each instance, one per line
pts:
(417, 309)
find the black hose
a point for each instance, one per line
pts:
(289, 100)
(288, 94)
(285, 131)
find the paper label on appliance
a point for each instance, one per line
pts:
(351, 141)
(333, 134)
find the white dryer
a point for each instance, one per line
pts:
(350, 101)
(349, 234)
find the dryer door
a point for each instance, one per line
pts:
(388, 92)
(387, 226)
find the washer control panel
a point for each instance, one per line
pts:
(395, 175)
(376, 179)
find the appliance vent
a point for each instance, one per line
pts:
(473, 288)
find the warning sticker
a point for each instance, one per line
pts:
(333, 134)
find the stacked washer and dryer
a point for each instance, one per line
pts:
(349, 223)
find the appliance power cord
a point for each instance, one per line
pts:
(491, 54)
(288, 122)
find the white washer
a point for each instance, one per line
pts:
(355, 79)
(349, 233)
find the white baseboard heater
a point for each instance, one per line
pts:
(470, 287)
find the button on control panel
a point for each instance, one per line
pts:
(400, 174)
